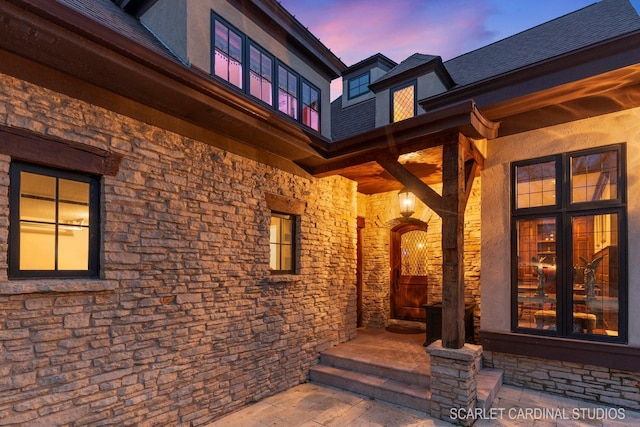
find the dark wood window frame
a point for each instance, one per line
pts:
(279, 204)
(15, 272)
(251, 44)
(247, 43)
(563, 211)
(359, 86)
(302, 103)
(393, 90)
(243, 52)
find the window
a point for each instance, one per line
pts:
(569, 262)
(310, 106)
(359, 85)
(287, 92)
(403, 103)
(260, 78)
(53, 223)
(282, 243)
(227, 59)
(260, 75)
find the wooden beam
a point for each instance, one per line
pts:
(421, 190)
(25, 145)
(453, 196)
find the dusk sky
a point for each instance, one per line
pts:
(357, 29)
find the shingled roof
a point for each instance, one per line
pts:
(111, 16)
(415, 60)
(352, 120)
(584, 27)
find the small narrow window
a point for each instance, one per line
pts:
(403, 103)
(227, 58)
(359, 85)
(54, 223)
(310, 106)
(287, 92)
(282, 247)
(261, 75)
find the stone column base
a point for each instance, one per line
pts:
(454, 387)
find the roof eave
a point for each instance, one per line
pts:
(56, 47)
(493, 95)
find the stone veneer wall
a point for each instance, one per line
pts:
(185, 324)
(611, 387)
(381, 212)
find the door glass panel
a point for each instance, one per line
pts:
(594, 177)
(414, 259)
(536, 246)
(536, 185)
(595, 276)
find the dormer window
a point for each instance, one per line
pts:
(403, 102)
(359, 85)
(227, 61)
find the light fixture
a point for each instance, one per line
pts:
(407, 202)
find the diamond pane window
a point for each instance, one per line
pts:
(404, 103)
(414, 259)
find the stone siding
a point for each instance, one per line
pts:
(381, 214)
(607, 386)
(186, 324)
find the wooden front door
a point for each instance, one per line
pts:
(409, 263)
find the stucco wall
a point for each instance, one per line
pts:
(381, 215)
(186, 323)
(588, 133)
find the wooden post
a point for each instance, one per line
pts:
(453, 196)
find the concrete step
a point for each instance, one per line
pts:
(389, 390)
(489, 383)
(396, 373)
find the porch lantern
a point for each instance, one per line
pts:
(407, 202)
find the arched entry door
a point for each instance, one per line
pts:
(409, 263)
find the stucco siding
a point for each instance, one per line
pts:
(623, 127)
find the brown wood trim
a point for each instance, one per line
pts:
(30, 147)
(422, 191)
(284, 204)
(615, 356)
(359, 269)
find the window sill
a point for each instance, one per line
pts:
(18, 287)
(609, 355)
(282, 278)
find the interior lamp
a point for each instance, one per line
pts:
(407, 202)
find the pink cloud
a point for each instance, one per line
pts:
(357, 29)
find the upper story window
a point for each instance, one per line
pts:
(287, 92)
(54, 223)
(403, 103)
(264, 78)
(281, 242)
(569, 256)
(260, 75)
(359, 85)
(227, 60)
(310, 106)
